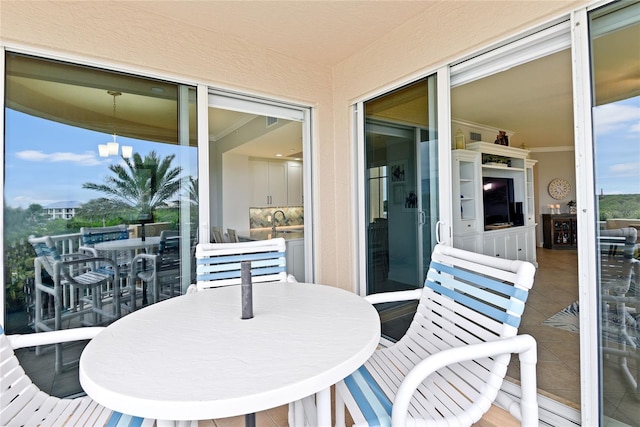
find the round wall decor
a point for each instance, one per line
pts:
(559, 188)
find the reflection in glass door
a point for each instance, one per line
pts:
(401, 191)
(615, 56)
(256, 175)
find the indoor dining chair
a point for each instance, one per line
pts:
(449, 366)
(217, 234)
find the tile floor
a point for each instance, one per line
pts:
(556, 286)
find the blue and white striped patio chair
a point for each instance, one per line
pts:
(162, 270)
(218, 264)
(620, 298)
(70, 273)
(24, 404)
(90, 236)
(449, 366)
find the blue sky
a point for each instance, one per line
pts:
(47, 162)
(617, 147)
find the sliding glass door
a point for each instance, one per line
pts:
(258, 152)
(615, 58)
(91, 148)
(401, 190)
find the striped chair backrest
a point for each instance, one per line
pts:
(472, 302)
(92, 235)
(218, 264)
(46, 251)
(169, 250)
(617, 249)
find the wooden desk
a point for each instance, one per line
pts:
(193, 357)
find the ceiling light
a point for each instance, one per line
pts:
(127, 151)
(103, 150)
(111, 147)
(278, 155)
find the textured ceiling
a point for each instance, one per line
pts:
(321, 32)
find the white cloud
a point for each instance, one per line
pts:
(614, 117)
(87, 158)
(625, 168)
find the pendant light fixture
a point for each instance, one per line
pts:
(111, 147)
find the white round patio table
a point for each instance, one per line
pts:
(193, 357)
(128, 244)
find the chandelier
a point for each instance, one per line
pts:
(111, 147)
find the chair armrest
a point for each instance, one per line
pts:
(414, 294)
(89, 250)
(524, 345)
(63, 267)
(137, 260)
(76, 256)
(53, 337)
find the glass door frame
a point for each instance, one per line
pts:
(556, 30)
(262, 106)
(443, 230)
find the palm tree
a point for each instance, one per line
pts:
(142, 185)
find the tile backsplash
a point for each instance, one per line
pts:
(258, 217)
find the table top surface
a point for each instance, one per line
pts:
(124, 244)
(193, 357)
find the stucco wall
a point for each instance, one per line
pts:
(110, 34)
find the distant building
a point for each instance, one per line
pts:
(63, 210)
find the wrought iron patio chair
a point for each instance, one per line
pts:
(24, 404)
(620, 296)
(218, 264)
(449, 366)
(74, 272)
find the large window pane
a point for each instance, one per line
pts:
(615, 55)
(401, 194)
(89, 148)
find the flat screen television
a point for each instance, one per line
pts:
(499, 204)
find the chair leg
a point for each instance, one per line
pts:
(339, 410)
(57, 301)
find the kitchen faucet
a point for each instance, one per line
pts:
(284, 218)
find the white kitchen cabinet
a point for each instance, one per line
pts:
(295, 259)
(294, 184)
(268, 183)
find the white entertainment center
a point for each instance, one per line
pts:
(501, 222)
